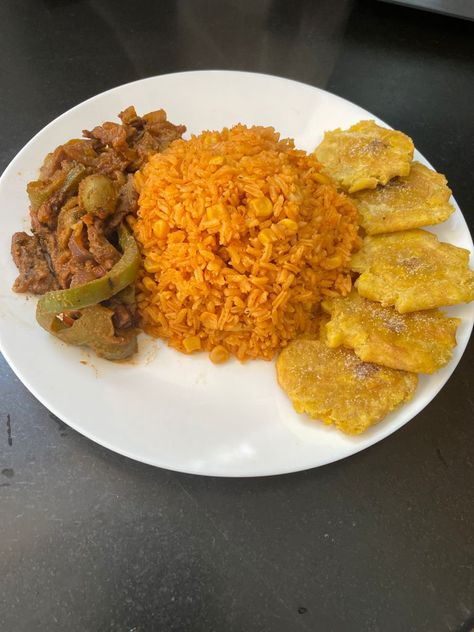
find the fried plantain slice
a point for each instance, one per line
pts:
(335, 386)
(419, 199)
(412, 270)
(421, 342)
(365, 155)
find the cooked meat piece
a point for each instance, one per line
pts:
(99, 246)
(81, 150)
(60, 260)
(52, 163)
(165, 132)
(146, 145)
(127, 205)
(123, 317)
(130, 117)
(49, 210)
(155, 137)
(157, 116)
(113, 135)
(86, 272)
(76, 244)
(35, 275)
(110, 162)
(68, 216)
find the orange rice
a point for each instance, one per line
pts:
(241, 238)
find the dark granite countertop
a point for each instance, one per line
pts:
(382, 541)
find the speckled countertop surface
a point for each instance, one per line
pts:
(382, 541)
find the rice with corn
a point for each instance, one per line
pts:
(241, 237)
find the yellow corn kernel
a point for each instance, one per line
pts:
(289, 225)
(160, 228)
(261, 206)
(151, 266)
(214, 266)
(332, 262)
(219, 354)
(321, 178)
(217, 211)
(210, 138)
(267, 236)
(149, 284)
(217, 160)
(209, 320)
(193, 343)
(177, 237)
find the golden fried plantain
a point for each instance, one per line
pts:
(412, 270)
(335, 386)
(419, 199)
(365, 155)
(421, 342)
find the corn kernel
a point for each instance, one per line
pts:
(332, 262)
(217, 160)
(321, 178)
(149, 284)
(267, 236)
(177, 236)
(209, 320)
(289, 225)
(214, 266)
(261, 206)
(160, 228)
(217, 211)
(151, 266)
(193, 343)
(219, 354)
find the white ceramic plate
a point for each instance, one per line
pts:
(167, 409)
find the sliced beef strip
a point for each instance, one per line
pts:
(52, 163)
(60, 260)
(127, 204)
(155, 137)
(145, 146)
(110, 162)
(35, 275)
(69, 215)
(124, 316)
(81, 151)
(99, 246)
(85, 272)
(165, 132)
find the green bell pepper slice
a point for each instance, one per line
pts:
(94, 329)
